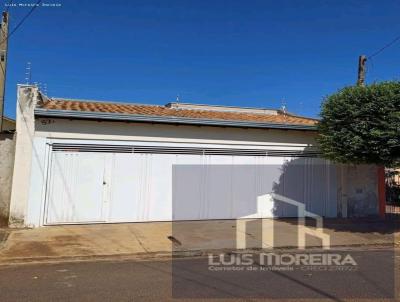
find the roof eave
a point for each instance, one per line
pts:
(8, 119)
(40, 112)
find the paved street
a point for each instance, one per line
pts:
(190, 277)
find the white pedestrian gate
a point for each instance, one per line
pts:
(76, 188)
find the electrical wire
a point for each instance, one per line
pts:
(18, 25)
(10, 34)
(21, 22)
(384, 47)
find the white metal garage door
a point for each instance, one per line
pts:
(125, 183)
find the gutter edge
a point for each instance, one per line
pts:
(40, 112)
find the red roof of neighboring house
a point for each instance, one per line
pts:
(163, 111)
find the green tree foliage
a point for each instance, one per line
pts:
(362, 125)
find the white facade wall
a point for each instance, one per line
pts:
(124, 131)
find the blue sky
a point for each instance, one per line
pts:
(240, 53)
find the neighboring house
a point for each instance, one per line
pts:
(99, 162)
(8, 124)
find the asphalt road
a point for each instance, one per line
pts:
(195, 278)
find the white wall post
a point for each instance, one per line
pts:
(27, 97)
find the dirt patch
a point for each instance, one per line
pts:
(67, 239)
(3, 220)
(3, 237)
(29, 249)
(71, 242)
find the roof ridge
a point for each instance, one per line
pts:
(219, 106)
(104, 102)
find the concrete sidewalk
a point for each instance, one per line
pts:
(75, 242)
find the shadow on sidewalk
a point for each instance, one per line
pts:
(390, 225)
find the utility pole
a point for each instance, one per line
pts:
(3, 63)
(361, 70)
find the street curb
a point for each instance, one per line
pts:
(168, 255)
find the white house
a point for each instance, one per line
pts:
(103, 162)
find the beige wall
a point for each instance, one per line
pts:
(102, 130)
(358, 190)
(397, 177)
(7, 150)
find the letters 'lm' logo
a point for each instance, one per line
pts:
(265, 206)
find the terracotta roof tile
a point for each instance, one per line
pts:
(154, 110)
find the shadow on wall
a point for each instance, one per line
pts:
(235, 190)
(322, 186)
(359, 189)
(328, 189)
(308, 181)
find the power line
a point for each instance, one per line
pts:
(18, 25)
(21, 22)
(384, 47)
